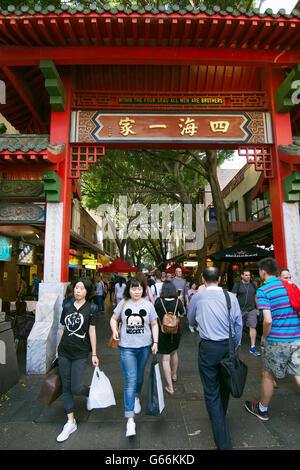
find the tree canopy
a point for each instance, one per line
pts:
(128, 3)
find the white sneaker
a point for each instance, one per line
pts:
(67, 430)
(137, 406)
(130, 429)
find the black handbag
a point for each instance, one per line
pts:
(233, 371)
(155, 396)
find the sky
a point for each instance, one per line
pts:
(276, 5)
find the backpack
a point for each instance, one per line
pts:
(294, 294)
(169, 322)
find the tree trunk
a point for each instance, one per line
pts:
(201, 259)
(218, 201)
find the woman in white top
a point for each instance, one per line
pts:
(119, 289)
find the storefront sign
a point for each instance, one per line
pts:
(74, 262)
(250, 127)
(26, 254)
(5, 249)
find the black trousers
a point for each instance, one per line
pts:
(216, 395)
(72, 374)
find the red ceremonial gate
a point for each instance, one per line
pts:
(98, 79)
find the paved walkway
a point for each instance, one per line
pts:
(26, 424)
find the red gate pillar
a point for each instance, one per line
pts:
(60, 133)
(43, 339)
(282, 135)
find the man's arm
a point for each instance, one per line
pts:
(191, 313)
(237, 322)
(267, 324)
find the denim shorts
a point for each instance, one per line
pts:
(281, 358)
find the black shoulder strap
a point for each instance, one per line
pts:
(228, 301)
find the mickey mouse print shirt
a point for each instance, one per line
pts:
(75, 342)
(136, 323)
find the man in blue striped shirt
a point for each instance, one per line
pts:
(280, 342)
(209, 310)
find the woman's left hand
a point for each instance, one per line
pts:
(95, 361)
(154, 348)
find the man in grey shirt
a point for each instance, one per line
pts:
(181, 287)
(209, 310)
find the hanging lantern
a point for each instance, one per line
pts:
(235, 266)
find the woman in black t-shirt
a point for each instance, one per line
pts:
(168, 343)
(77, 338)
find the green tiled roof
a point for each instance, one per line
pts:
(23, 143)
(292, 149)
(165, 9)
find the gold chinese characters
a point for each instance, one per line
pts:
(187, 126)
(219, 126)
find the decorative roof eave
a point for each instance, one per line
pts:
(105, 27)
(292, 149)
(290, 153)
(24, 143)
(30, 150)
(11, 10)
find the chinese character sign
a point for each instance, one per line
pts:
(250, 127)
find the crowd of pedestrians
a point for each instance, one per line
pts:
(139, 308)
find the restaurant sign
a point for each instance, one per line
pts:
(240, 127)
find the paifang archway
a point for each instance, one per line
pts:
(209, 78)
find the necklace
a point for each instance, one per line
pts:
(78, 305)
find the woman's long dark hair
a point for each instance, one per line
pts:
(168, 290)
(69, 292)
(133, 282)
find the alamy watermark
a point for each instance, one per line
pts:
(2, 92)
(2, 352)
(295, 85)
(159, 221)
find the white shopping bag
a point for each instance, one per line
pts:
(101, 393)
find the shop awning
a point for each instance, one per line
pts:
(173, 268)
(79, 243)
(241, 252)
(118, 266)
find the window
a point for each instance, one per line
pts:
(256, 209)
(233, 212)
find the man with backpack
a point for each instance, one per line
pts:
(245, 291)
